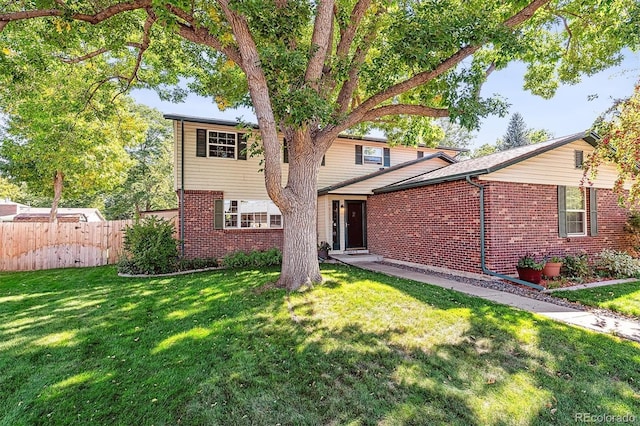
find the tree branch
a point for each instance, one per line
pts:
(357, 114)
(96, 18)
(320, 42)
(200, 35)
(348, 34)
(396, 109)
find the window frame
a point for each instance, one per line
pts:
(245, 219)
(210, 144)
(582, 211)
(366, 158)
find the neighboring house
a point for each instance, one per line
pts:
(524, 200)
(226, 207)
(16, 212)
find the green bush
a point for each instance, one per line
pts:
(197, 263)
(255, 258)
(149, 247)
(618, 264)
(576, 266)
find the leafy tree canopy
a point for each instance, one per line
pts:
(619, 128)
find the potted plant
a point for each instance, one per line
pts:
(529, 269)
(323, 250)
(552, 267)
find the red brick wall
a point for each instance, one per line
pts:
(436, 225)
(528, 223)
(202, 240)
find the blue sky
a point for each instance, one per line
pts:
(569, 111)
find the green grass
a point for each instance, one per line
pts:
(623, 298)
(80, 346)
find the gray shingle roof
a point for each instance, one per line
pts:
(487, 164)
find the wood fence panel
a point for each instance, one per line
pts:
(34, 246)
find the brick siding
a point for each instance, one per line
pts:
(201, 240)
(439, 225)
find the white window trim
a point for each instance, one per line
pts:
(583, 211)
(376, 149)
(235, 145)
(271, 211)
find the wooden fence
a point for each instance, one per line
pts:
(34, 246)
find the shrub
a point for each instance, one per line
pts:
(618, 264)
(255, 258)
(197, 263)
(149, 247)
(576, 266)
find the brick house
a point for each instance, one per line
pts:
(223, 204)
(414, 205)
(525, 200)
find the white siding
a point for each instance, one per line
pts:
(242, 179)
(367, 186)
(556, 167)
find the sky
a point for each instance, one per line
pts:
(568, 112)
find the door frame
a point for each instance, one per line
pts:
(363, 207)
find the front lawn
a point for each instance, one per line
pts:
(83, 346)
(622, 298)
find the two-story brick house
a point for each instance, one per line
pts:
(223, 202)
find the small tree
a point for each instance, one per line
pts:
(516, 135)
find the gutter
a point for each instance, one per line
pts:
(483, 254)
(182, 187)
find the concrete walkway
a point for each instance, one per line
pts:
(626, 328)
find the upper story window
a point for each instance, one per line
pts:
(222, 144)
(578, 157)
(372, 155)
(213, 143)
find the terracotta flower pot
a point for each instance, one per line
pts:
(551, 269)
(529, 275)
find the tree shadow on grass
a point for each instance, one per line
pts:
(208, 349)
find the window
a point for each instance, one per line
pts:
(576, 212)
(222, 145)
(210, 143)
(578, 157)
(251, 214)
(372, 155)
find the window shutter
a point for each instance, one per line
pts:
(285, 151)
(322, 164)
(387, 157)
(358, 154)
(420, 154)
(242, 146)
(201, 142)
(562, 211)
(593, 212)
(218, 214)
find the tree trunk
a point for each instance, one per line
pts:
(58, 181)
(300, 252)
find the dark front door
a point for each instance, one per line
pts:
(356, 226)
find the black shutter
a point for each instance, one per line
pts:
(562, 211)
(285, 151)
(322, 164)
(593, 212)
(387, 157)
(420, 154)
(201, 142)
(218, 214)
(242, 146)
(358, 154)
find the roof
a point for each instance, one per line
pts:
(380, 172)
(487, 164)
(217, 122)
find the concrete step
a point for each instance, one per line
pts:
(357, 257)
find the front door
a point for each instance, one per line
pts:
(356, 224)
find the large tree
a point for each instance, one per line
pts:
(312, 70)
(59, 138)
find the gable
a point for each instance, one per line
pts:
(554, 167)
